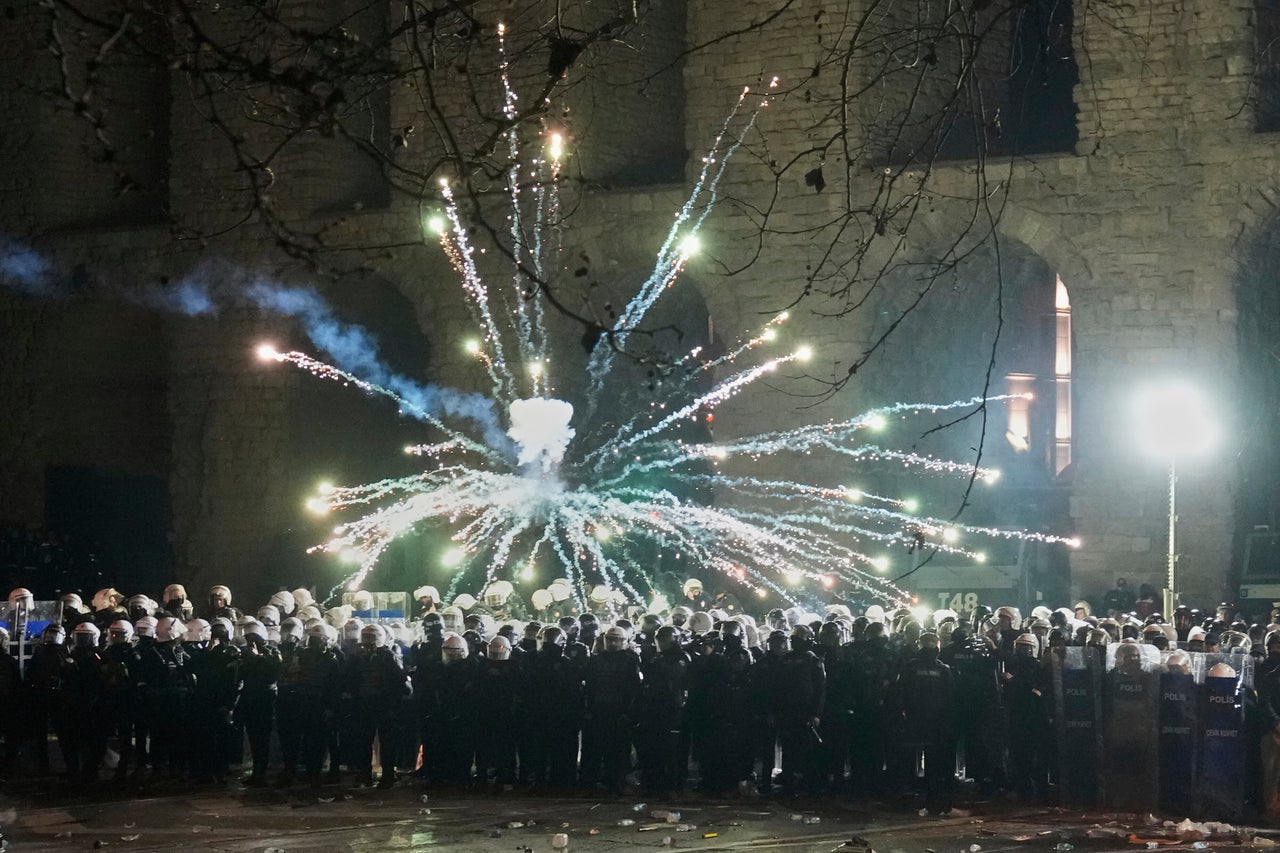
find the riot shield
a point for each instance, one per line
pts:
(25, 624)
(1220, 791)
(1077, 696)
(1131, 744)
(1179, 732)
(386, 606)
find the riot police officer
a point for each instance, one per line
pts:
(660, 711)
(552, 692)
(309, 684)
(1026, 692)
(215, 693)
(924, 692)
(802, 686)
(495, 688)
(44, 677)
(259, 673)
(611, 686)
(376, 682)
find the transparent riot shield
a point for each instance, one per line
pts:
(1077, 697)
(1179, 733)
(1131, 744)
(1220, 791)
(24, 625)
(377, 606)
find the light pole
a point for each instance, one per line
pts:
(1174, 420)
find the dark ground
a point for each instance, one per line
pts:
(40, 816)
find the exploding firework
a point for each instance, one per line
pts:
(601, 502)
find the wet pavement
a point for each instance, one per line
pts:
(45, 816)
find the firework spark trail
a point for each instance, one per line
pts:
(607, 506)
(670, 255)
(327, 371)
(547, 194)
(461, 253)
(722, 392)
(766, 335)
(509, 98)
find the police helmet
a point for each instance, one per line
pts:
(499, 648)
(283, 601)
(87, 635)
(120, 631)
(198, 631)
(168, 629)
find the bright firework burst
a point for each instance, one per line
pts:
(603, 502)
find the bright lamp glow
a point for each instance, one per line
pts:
(452, 557)
(690, 245)
(1174, 420)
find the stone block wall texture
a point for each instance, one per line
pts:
(1145, 221)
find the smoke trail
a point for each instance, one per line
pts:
(356, 351)
(189, 297)
(212, 286)
(25, 271)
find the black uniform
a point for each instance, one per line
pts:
(309, 684)
(214, 696)
(376, 682)
(924, 694)
(659, 713)
(612, 684)
(44, 675)
(165, 683)
(802, 688)
(12, 699)
(259, 673)
(495, 691)
(718, 693)
(552, 704)
(871, 673)
(974, 672)
(450, 730)
(1026, 692)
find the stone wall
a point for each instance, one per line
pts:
(1146, 223)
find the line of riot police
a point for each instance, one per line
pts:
(1121, 712)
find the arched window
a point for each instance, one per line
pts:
(1040, 423)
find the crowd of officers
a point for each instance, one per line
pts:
(799, 702)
